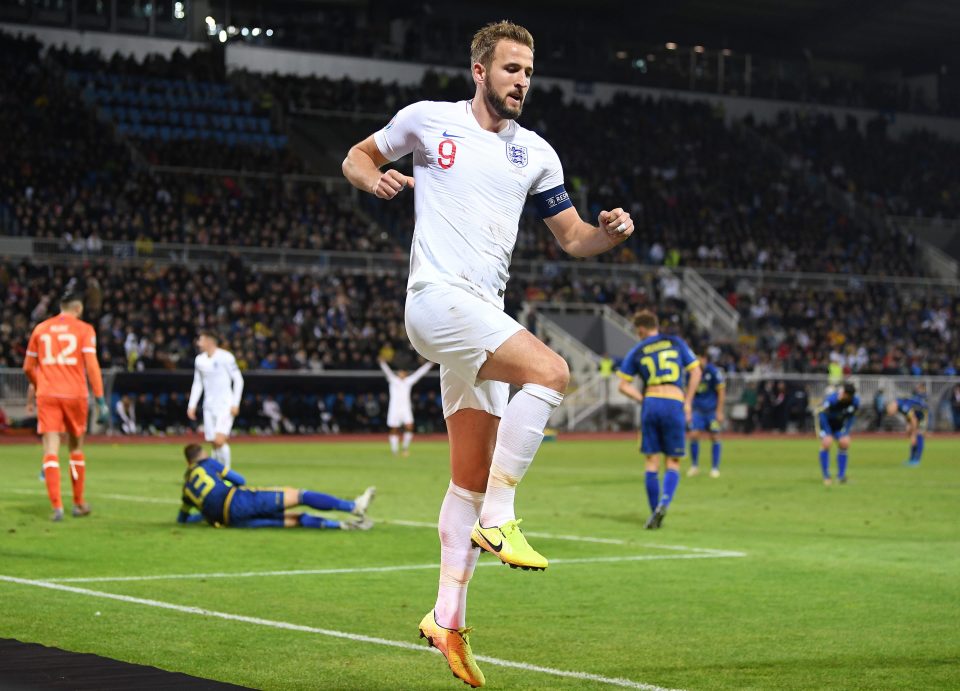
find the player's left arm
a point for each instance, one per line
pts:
(237, 378)
(721, 400)
(581, 239)
(695, 374)
(913, 423)
(94, 375)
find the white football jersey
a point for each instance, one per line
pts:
(218, 378)
(400, 389)
(471, 186)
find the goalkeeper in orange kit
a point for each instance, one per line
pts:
(61, 359)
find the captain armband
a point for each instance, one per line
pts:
(551, 202)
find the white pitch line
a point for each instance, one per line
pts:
(546, 536)
(121, 497)
(586, 676)
(581, 538)
(378, 569)
(424, 524)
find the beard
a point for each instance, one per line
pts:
(499, 104)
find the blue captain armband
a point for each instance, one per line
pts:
(551, 202)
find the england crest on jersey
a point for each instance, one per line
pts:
(517, 155)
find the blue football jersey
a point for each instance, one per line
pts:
(706, 398)
(206, 487)
(838, 412)
(912, 404)
(659, 359)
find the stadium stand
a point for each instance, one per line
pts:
(706, 193)
(911, 176)
(713, 199)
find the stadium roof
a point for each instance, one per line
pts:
(876, 33)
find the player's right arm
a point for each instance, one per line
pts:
(365, 159)
(626, 372)
(630, 391)
(195, 392)
(419, 373)
(387, 372)
(30, 359)
(362, 168)
(31, 405)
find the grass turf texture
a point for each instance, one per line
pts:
(847, 587)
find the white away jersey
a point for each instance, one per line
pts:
(400, 389)
(218, 378)
(471, 186)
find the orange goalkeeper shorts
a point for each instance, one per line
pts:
(61, 415)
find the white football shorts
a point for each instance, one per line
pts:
(399, 415)
(217, 421)
(457, 329)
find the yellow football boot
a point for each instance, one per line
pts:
(455, 647)
(509, 545)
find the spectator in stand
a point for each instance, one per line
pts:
(127, 414)
(271, 410)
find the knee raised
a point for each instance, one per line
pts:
(555, 374)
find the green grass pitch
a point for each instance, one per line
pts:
(844, 587)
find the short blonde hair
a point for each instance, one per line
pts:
(485, 40)
(645, 319)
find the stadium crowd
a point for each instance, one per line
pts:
(147, 316)
(704, 195)
(911, 176)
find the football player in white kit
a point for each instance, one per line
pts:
(400, 410)
(217, 377)
(474, 170)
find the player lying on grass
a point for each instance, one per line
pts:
(222, 500)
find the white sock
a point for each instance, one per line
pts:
(458, 558)
(395, 443)
(407, 438)
(518, 438)
(224, 456)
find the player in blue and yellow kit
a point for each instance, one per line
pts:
(222, 500)
(707, 416)
(660, 362)
(916, 412)
(834, 422)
